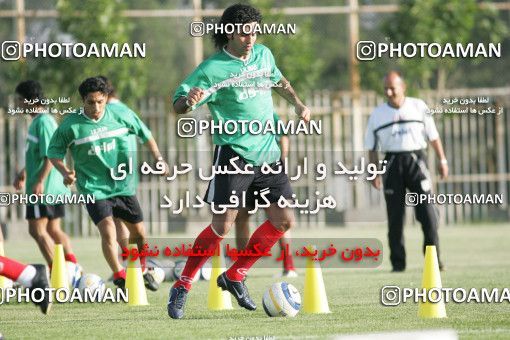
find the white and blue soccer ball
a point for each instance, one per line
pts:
(158, 274)
(154, 268)
(282, 299)
(74, 273)
(168, 268)
(92, 283)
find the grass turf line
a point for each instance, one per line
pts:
(475, 255)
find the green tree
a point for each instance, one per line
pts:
(455, 21)
(93, 21)
(101, 22)
(169, 46)
(295, 57)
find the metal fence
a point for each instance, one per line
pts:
(477, 147)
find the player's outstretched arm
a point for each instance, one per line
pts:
(69, 175)
(184, 104)
(285, 90)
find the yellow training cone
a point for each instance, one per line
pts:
(59, 277)
(431, 279)
(315, 299)
(218, 299)
(4, 282)
(137, 296)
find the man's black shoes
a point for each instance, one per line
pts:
(238, 290)
(176, 302)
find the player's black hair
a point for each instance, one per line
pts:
(30, 89)
(94, 84)
(109, 85)
(235, 14)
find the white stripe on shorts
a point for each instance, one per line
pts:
(37, 211)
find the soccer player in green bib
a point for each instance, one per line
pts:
(98, 137)
(39, 176)
(220, 83)
(113, 99)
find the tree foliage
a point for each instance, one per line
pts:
(93, 21)
(101, 22)
(438, 21)
(295, 55)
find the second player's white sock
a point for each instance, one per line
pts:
(26, 276)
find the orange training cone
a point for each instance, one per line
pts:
(431, 279)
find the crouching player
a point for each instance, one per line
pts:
(98, 139)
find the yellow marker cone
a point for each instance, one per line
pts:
(218, 299)
(59, 277)
(137, 296)
(431, 279)
(315, 299)
(4, 282)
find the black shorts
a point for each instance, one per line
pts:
(51, 212)
(222, 185)
(126, 208)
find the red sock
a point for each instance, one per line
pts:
(142, 263)
(207, 240)
(265, 237)
(120, 274)
(10, 268)
(288, 260)
(71, 258)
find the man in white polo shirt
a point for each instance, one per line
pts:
(402, 128)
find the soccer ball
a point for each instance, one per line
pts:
(168, 267)
(74, 272)
(91, 282)
(206, 271)
(281, 299)
(158, 274)
(152, 263)
(179, 267)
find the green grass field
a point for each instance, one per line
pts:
(476, 256)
